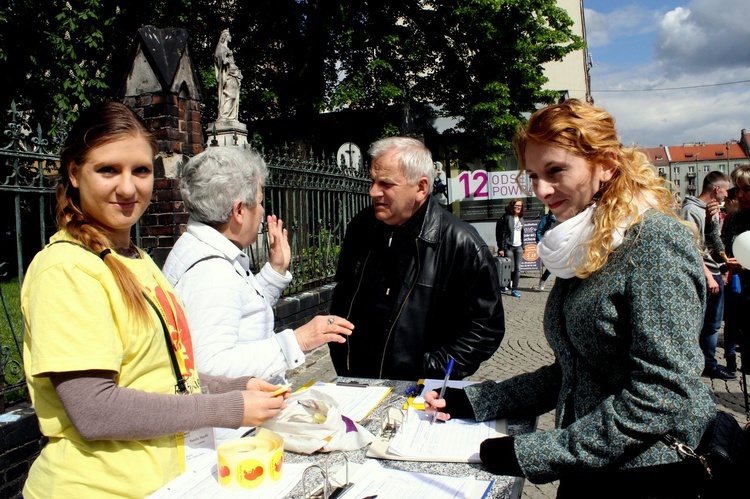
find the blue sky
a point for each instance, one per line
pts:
(641, 47)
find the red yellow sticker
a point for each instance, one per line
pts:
(246, 463)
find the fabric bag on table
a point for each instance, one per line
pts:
(312, 421)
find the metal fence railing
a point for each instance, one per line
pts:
(316, 200)
(28, 164)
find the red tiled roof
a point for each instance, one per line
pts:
(705, 152)
(657, 156)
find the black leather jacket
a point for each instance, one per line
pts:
(449, 302)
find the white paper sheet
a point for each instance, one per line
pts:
(371, 479)
(455, 439)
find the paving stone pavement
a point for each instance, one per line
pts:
(523, 349)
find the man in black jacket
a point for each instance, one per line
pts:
(419, 284)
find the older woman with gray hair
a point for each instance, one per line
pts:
(228, 308)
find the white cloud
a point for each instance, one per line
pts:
(597, 29)
(675, 117)
(708, 34)
(699, 44)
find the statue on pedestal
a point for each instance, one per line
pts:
(228, 78)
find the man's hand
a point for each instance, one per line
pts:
(712, 209)
(713, 286)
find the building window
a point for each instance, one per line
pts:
(677, 183)
(706, 168)
(721, 167)
(676, 170)
(662, 172)
(691, 169)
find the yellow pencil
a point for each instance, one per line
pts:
(281, 390)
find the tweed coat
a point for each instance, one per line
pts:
(627, 366)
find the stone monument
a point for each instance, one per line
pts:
(227, 129)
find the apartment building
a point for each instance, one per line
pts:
(687, 165)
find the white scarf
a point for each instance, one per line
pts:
(564, 247)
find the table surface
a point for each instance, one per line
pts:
(504, 487)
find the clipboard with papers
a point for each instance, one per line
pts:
(407, 435)
(356, 400)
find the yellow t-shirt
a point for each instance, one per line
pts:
(76, 320)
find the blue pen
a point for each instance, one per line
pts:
(448, 370)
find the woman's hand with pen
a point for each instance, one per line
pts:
(433, 404)
(455, 403)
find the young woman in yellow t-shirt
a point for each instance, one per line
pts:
(107, 350)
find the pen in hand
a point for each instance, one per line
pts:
(448, 370)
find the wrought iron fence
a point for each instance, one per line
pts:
(28, 165)
(315, 198)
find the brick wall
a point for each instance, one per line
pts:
(296, 310)
(21, 442)
(175, 120)
(165, 219)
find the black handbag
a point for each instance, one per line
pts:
(721, 452)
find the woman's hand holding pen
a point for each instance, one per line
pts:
(260, 403)
(434, 404)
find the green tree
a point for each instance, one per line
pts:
(58, 56)
(478, 61)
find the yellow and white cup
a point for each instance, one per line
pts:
(251, 462)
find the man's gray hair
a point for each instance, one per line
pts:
(215, 179)
(413, 157)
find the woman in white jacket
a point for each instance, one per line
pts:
(228, 308)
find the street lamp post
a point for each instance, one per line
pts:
(696, 172)
(728, 146)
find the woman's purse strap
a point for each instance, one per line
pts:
(686, 451)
